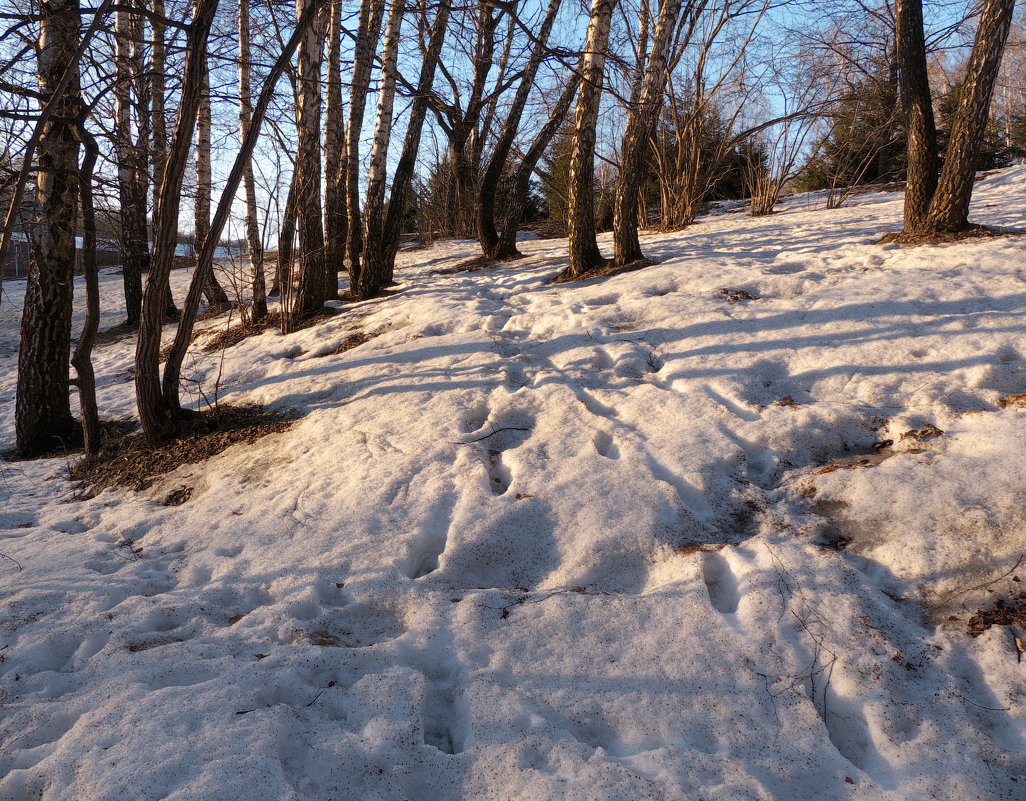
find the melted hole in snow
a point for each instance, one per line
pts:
(721, 583)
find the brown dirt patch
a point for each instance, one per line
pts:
(129, 461)
(1005, 612)
(945, 237)
(474, 265)
(1013, 401)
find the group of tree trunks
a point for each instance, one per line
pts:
(340, 229)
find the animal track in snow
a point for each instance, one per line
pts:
(847, 728)
(445, 717)
(474, 418)
(721, 583)
(606, 446)
(431, 538)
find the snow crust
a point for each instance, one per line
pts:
(558, 542)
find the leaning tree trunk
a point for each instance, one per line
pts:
(204, 186)
(583, 244)
(157, 419)
(334, 141)
(158, 125)
(82, 359)
(42, 409)
(256, 251)
(949, 210)
(383, 226)
(506, 244)
(642, 120)
(313, 289)
(178, 349)
(488, 187)
(917, 106)
(371, 13)
(134, 256)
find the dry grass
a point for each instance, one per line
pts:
(607, 270)
(129, 461)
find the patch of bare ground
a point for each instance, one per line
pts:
(607, 270)
(474, 265)
(554, 229)
(1004, 612)
(130, 461)
(945, 237)
(354, 340)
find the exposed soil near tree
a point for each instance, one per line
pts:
(128, 461)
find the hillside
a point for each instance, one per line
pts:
(746, 524)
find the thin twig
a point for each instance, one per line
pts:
(493, 433)
(985, 584)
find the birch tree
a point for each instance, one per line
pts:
(642, 119)
(584, 250)
(254, 245)
(371, 13)
(383, 226)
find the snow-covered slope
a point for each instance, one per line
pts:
(559, 542)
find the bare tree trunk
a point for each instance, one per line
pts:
(156, 418)
(371, 13)
(949, 210)
(641, 125)
(383, 227)
(506, 245)
(42, 409)
(334, 142)
(204, 186)
(383, 125)
(176, 354)
(256, 251)
(282, 285)
(489, 184)
(917, 105)
(584, 250)
(158, 125)
(134, 256)
(81, 359)
(312, 290)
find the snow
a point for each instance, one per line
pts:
(537, 541)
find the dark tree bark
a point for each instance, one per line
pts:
(282, 285)
(176, 354)
(949, 210)
(129, 152)
(313, 288)
(157, 419)
(334, 143)
(42, 408)
(383, 226)
(506, 244)
(917, 105)
(81, 359)
(158, 125)
(642, 120)
(487, 233)
(583, 244)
